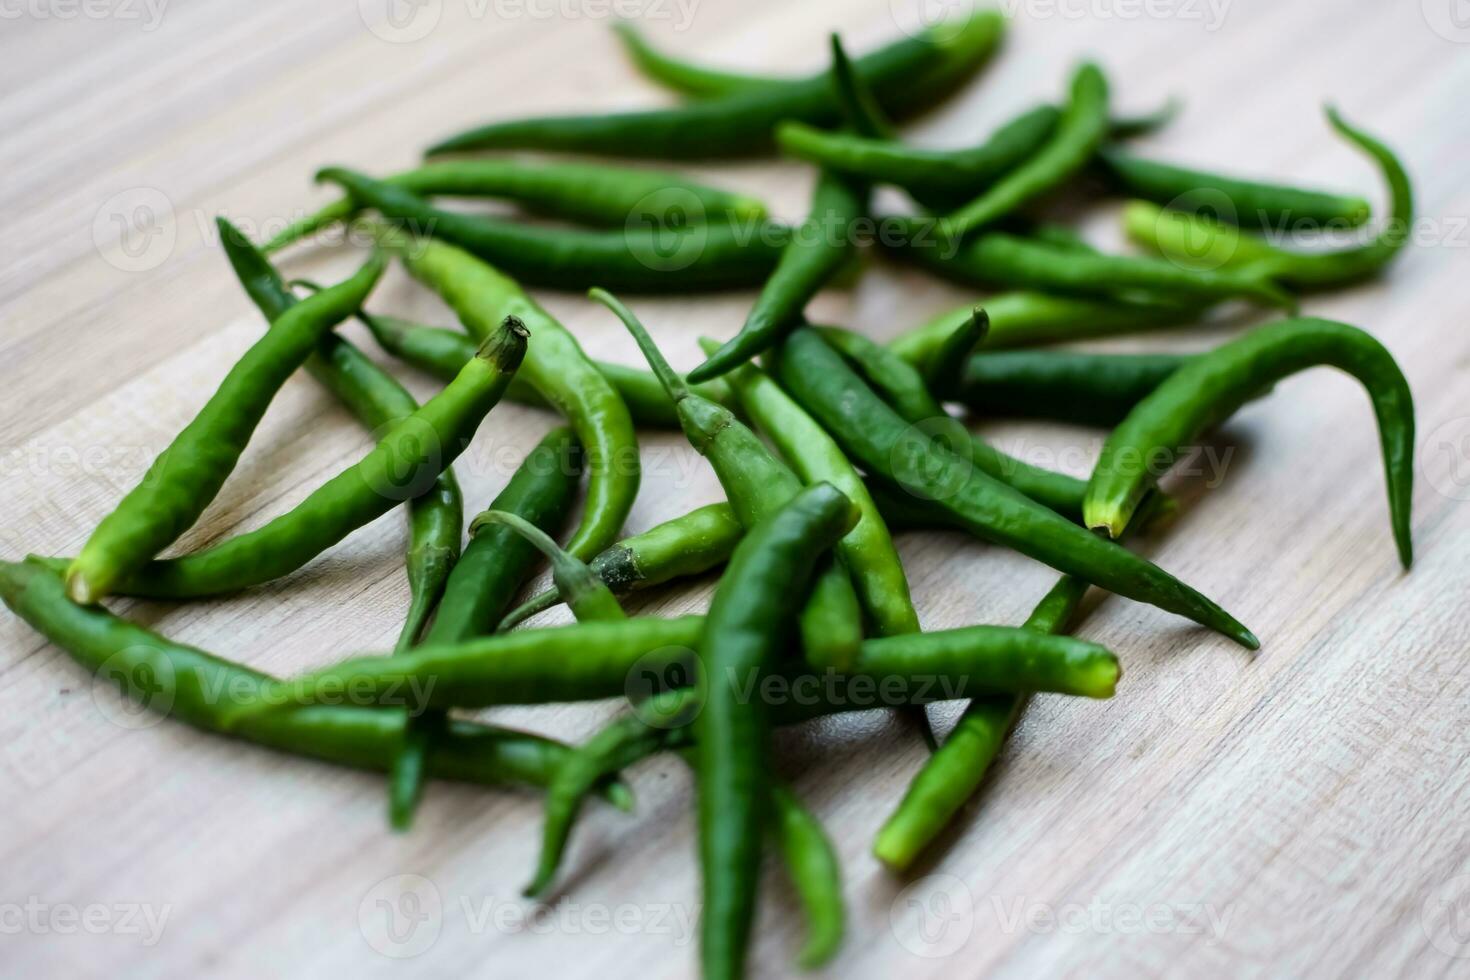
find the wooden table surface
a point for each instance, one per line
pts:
(1301, 811)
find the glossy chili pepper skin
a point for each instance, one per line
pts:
(640, 257)
(909, 75)
(688, 545)
(815, 871)
(1194, 240)
(588, 597)
(867, 550)
(682, 76)
(197, 688)
(1083, 389)
(555, 366)
(189, 473)
(749, 618)
(877, 437)
(592, 194)
(1208, 389)
(1079, 131)
(408, 458)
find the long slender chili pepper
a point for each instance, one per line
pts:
(943, 372)
(690, 544)
(1023, 319)
(593, 194)
(908, 76)
(902, 386)
(996, 258)
(640, 257)
(555, 366)
(1085, 389)
(756, 483)
(1245, 203)
(482, 583)
(1208, 389)
(1193, 239)
(753, 609)
(815, 872)
(197, 688)
(1079, 131)
(585, 594)
(189, 473)
(880, 439)
(442, 352)
(867, 550)
(404, 462)
(685, 77)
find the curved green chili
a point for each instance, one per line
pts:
(908, 76)
(1208, 389)
(1079, 131)
(594, 194)
(197, 688)
(1195, 240)
(877, 437)
(753, 609)
(683, 258)
(686, 77)
(867, 550)
(1084, 389)
(555, 366)
(411, 454)
(585, 594)
(816, 873)
(756, 483)
(189, 473)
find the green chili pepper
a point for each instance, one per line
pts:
(1196, 240)
(555, 366)
(877, 437)
(684, 258)
(442, 352)
(867, 550)
(908, 76)
(1007, 260)
(753, 609)
(585, 594)
(593, 194)
(756, 483)
(1208, 389)
(815, 871)
(1085, 389)
(197, 688)
(944, 370)
(686, 77)
(1079, 131)
(189, 473)
(690, 544)
(903, 388)
(408, 457)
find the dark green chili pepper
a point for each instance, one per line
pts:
(555, 366)
(1208, 389)
(593, 194)
(1085, 389)
(1079, 131)
(1245, 203)
(1022, 319)
(880, 439)
(584, 593)
(685, 77)
(815, 872)
(867, 550)
(406, 460)
(753, 609)
(908, 76)
(947, 366)
(442, 352)
(196, 688)
(756, 483)
(1194, 239)
(902, 387)
(640, 257)
(189, 473)
(1127, 127)
(690, 544)
(1007, 260)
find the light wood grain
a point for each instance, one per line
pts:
(1297, 812)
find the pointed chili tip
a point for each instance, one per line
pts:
(1244, 637)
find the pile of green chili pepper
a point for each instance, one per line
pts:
(825, 449)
